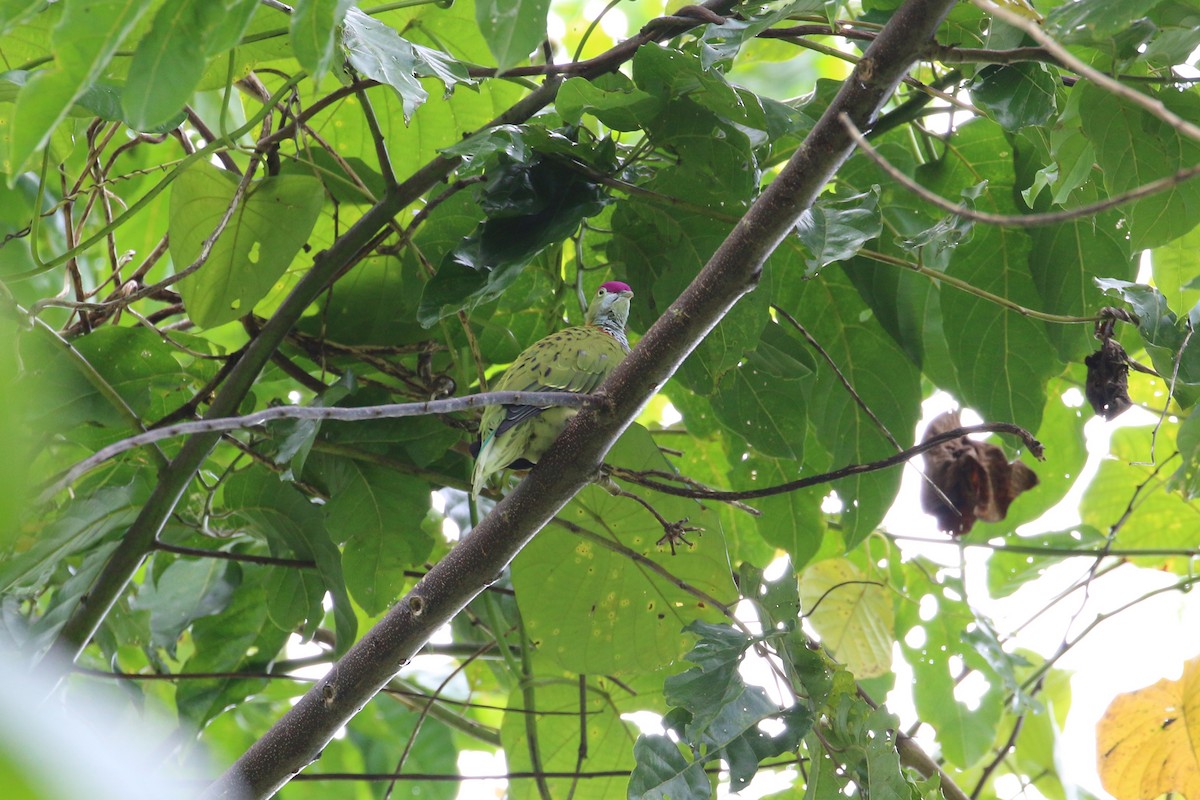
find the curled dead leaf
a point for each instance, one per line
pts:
(1107, 386)
(975, 477)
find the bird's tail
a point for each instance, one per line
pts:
(482, 469)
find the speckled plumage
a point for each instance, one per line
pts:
(572, 360)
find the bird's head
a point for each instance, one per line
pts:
(610, 307)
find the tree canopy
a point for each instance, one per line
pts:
(259, 258)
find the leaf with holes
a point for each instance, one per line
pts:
(618, 599)
(266, 231)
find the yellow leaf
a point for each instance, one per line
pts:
(852, 614)
(1148, 742)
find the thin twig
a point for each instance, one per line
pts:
(258, 418)
(1015, 220)
(1035, 447)
(1035, 32)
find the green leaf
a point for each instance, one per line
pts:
(610, 615)
(14, 12)
(377, 513)
(964, 733)
(84, 40)
(1003, 359)
(135, 363)
(169, 61)
(229, 29)
(662, 773)
(1094, 21)
(883, 378)
(1133, 148)
(83, 523)
(790, 521)
(766, 411)
(241, 639)
(1163, 334)
(377, 51)
(1161, 519)
(513, 28)
(530, 206)
(1010, 570)
(298, 435)
(313, 26)
(1065, 262)
(836, 229)
(851, 613)
(187, 590)
(612, 99)
(723, 42)
(294, 528)
(1186, 479)
(265, 233)
(1018, 95)
(555, 723)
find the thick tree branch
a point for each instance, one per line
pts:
(299, 736)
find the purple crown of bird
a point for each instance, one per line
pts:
(574, 359)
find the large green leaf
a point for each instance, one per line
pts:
(244, 638)
(295, 528)
(314, 25)
(1001, 358)
(84, 40)
(1065, 260)
(1133, 149)
(187, 590)
(612, 615)
(964, 732)
(170, 59)
(1017, 95)
(513, 28)
(612, 99)
(885, 381)
(1158, 518)
(1092, 21)
(377, 513)
(765, 410)
(82, 524)
(268, 228)
(552, 724)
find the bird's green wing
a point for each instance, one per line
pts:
(572, 360)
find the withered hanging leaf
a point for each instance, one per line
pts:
(975, 477)
(1107, 386)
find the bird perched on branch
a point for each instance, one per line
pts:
(572, 360)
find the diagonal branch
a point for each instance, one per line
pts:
(734, 270)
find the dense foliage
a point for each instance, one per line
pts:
(218, 207)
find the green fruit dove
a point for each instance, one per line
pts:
(572, 360)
